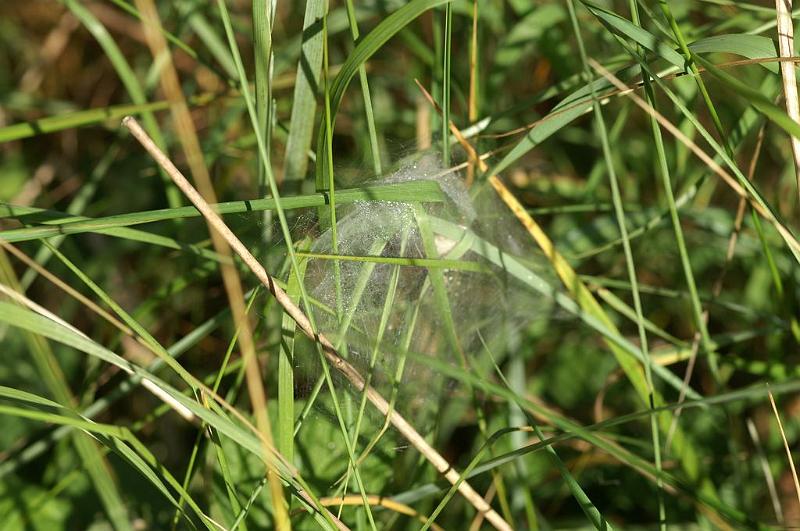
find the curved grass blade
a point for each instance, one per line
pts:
(749, 46)
(370, 44)
(115, 438)
(528, 277)
(55, 381)
(247, 439)
(573, 430)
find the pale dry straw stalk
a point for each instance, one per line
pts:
(21, 299)
(783, 10)
(187, 135)
(785, 444)
(349, 372)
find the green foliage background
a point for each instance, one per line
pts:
(583, 159)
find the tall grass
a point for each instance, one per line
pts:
(640, 160)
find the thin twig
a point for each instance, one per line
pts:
(349, 372)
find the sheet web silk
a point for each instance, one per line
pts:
(385, 318)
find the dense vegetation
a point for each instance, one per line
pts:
(535, 260)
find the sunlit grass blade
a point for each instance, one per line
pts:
(370, 44)
(52, 375)
(245, 437)
(116, 438)
(306, 88)
(425, 191)
(124, 388)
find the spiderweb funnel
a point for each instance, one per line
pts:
(412, 289)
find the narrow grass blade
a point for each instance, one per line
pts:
(114, 438)
(286, 363)
(128, 78)
(61, 223)
(377, 166)
(98, 469)
(262, 46)
(113, 113)
(370, 44)
(306, 88)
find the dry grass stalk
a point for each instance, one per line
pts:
(187, 134)
(783, 10)
(349, 372)
(785, 444)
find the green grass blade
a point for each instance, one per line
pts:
(28, 320)
(286, 363)
(128, 79)
(124, 388)
(262, 43)
(200, 27)
(206, 33)
(377, 167)
(572, 429)
(446, 58)
(127, 318)
(50, 371)
(65, 224)
(113, 113)
(114, 438)
(437, 281)
(619, 213)
(749, 46)
(301, 124)
(586, 505)
(370, 44)
(532, 280)
(263, 153)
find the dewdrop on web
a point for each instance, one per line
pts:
(449, 287)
